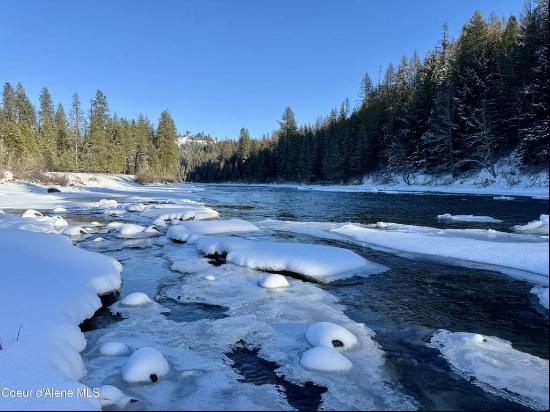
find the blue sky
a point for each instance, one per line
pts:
(219, 65)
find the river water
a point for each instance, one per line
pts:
(403, 306)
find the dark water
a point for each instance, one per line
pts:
(405, 305)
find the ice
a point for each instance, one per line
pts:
(536, 227)
(504, 198)
(183, 231)
(145, 365)
(113, 349)
(273, 281)
(322, 263)
(136, 299)
(49, 286)
(112, 396)
(542, 294)
(59, 209)
(330, 335)
(114, 225)
(496, 367)
(75, 230)
(98, 239)
(468, 218)
(325, 360)
(161, 214)
(115, 212)
(136, 207)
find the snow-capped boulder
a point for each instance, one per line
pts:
(95, 224)
(112, 396)
(115, 212)
(145, 365)
(273, 281)
(98, 239)
(136, 299)
(59, 209)
(127, 230)
(75, 231)
(495, 366)
(330, 335)
(325, 359)
(31, 213)
(113, 349)
(209, 278)
(136, 207)
(106, 203)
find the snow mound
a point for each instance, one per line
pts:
(496, 367)
(468, 218)
(114, 225)
(75, 231)
(325, 359)
(209, 277)
(113, 349)
(163, 214)
(145, 365)
(322, 263)
(273, 281)
(106, 204)
(330, 335)
(536, 227)
(136, 299)
(183, 231)
(129, 230)
(530, 259)
(541, 293)
(59, 209)
(112, 396)
(49, 287)
(31, 213)
(115, 212)
(136, 207)
(98, 239)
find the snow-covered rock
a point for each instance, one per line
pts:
(145, 365)
(325, 359)
(113, 349)
(112, 396)
(209, 277)
(330, 335)
(136, 207)
(129, 230)
(163, 213)
(115, 212)
(49, 286)
(59, 209)
(468, 218)
(114, 225)
(136, 299)
(541, 293)
(536, 227)
(183, 231)
(496, 367)
(322, 263)
(75, 231)
(30, 213)
(273, 281)
(106, 203)
(98, 239)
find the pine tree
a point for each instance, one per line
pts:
(46, 132)
(167, 147)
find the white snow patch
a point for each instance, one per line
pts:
(325, 359)
(322, 263)
(112, 396)
(504, 198)
(468, 218)
(145, 365)
(209, 277)
(136, 299)
(495, 366)
(136, 207)
(330, 335)
(273, 281)
(113, 349)
(31, 213)
(536, 227)
(59, 209)
(75, 231)
(183, 231)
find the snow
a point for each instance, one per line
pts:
(542, 294)
(161, 214)
(59, 209)
(325, 360)
(330, 335)
(31, 213)
(106, 204)
(49, 286)
(209, 278)
(75, 230)
(520, 259)
(183, 231)
(504, 198)
(273, 281)
(112, 396)
(113, 349)
(136, 207)
(133, 231)
(468, 218)
(322, 263)
(536, 227)
(496, 367)
(136, 299)
(145, 365)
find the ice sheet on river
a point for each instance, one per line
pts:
(48, 288)
(183, 231)
(521, 256)
(273, 321)
(322, 263)
(467, 218)
(492, 364)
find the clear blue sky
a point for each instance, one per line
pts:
(219, 65)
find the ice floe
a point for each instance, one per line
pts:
(492, 364)
(322, 263)
(49, 286)
(330, 335)
(183, 231)
(273, 281)
(325, 359)
(145, 365)
(536, 227)
(467, 218)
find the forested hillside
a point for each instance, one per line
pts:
(467, 104)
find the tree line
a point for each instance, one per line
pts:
(468, 104)
(94, 141)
